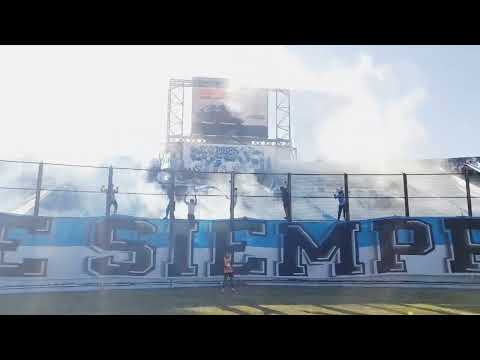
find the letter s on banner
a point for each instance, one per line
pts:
(105, 238)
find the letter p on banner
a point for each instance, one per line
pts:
(390, 248)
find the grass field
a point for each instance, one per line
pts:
(251, 300)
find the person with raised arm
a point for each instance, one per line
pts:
(191, 207)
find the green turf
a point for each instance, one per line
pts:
(250, 300)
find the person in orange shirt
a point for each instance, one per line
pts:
(227, 270)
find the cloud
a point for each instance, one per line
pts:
(364, 113)
(90, 104)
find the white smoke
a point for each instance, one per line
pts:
(88, 104)
(91, 104)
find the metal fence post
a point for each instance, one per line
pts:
(405, 195)
(109, 191)
(36, 208)
(232, 195)
(347, 201)
(289, 189)
(467, 185)
(172, 213)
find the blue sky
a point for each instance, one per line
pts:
(451, 77)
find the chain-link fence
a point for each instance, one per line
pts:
(50, 189)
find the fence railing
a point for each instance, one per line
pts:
(308, 196)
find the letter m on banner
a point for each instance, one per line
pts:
(339, 246)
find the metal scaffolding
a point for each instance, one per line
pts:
(176, 104)
(282, 115)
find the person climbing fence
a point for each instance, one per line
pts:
(286, 201)
(171, 203)
(111, 199)
(233, 201)
(342, 202)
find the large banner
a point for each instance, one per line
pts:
(225, 158)
(43, 253)
(218, 110)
